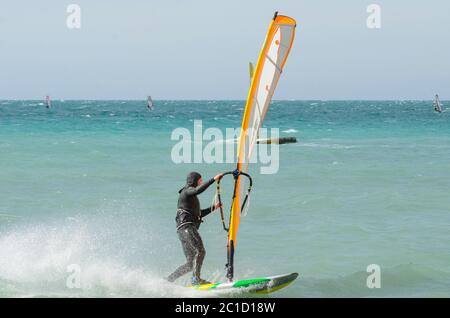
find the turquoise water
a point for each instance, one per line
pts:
(92, 183)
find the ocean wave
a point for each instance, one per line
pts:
(330, 146)
(290, 131)
(404, 280)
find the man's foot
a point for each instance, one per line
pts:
(199, 281)
(169, 279)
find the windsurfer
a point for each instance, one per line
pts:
(188, 219)
(437, 104)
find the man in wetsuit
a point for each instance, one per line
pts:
(189, 216)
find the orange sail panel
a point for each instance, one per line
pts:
(272, 58)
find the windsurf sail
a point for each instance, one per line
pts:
(149, 102)
(251, 71)
(272, 58)
(437, 104)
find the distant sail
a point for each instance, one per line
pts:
(437, 104)
(149, 103)
(48, 103)
(251, 71)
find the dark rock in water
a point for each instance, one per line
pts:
(280, 141)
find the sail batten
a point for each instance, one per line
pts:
(264, 79)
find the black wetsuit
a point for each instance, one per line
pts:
(188, 219)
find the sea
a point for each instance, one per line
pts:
(359, 206)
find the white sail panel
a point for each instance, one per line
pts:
(270, 65)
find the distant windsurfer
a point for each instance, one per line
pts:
(437, 104)
(188, 219)
(149, 103)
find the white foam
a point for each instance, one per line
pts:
(330, 146)
(35, 259)
(290, 131)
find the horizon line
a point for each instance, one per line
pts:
(227, 99)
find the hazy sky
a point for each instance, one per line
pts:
(181, 49)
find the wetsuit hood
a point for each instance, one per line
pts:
(191, 180)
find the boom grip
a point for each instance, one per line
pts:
(236, 173)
